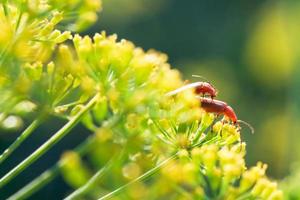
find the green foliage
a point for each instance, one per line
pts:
(118, 92)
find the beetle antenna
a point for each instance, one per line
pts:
(202, 77)
(247, 124)
(180, 89)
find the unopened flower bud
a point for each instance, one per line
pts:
(276, 195)
(47, 29)
(270, 188)
(131, 170)
(63, 37)
(218, 127)
(57, 17)
(259, 187)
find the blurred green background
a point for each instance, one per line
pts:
(247, 49)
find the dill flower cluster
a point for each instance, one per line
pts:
(146, 145)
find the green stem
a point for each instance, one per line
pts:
(245, 196)
(19, 20)
(183, 192)
(25, 134)
(209, 190)
(199, 132)
(203, 142)
(48, 144)
(37, 183)
(4, 5)
(91, 182)
(140, 178)
(49, 174)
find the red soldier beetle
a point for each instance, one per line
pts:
(221, 108)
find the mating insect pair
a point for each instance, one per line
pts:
(210, 104)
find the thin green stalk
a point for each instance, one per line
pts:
(48, 144)
(140, 178)
(164, 132)
(37, 183)
(183, 192)
(199, 132)
(4, 5)
(65, 93)
(91, 182)
(19, 20)
(49, 174)
(25, 134)
(245, 196)
(203, 142)
(209, 189)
